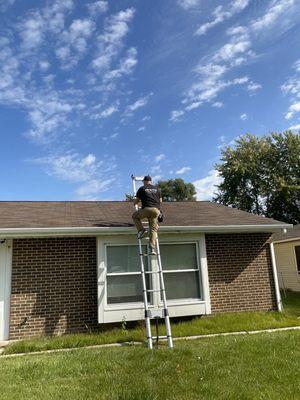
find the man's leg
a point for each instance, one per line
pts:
(153, 214)
(137, 217)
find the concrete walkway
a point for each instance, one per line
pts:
(100, 346)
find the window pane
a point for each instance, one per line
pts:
(182, 285)
(178, 256)
(124, 259)
(297, 250)
(124, 289)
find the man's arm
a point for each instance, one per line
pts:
(137, 199)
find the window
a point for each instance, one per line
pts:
(181, 270)
(297, 252)
(124, 282)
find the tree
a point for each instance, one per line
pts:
(177, 190)
(262, 175)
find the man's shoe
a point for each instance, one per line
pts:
(141, 233)
(152, 251)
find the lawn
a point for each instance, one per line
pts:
(263, 366)
(196, 326)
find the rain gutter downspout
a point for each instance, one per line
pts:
(274, 268)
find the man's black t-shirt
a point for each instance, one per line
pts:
(149, 195)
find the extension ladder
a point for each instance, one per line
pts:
(161, 310)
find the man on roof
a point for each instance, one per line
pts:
(150, 197)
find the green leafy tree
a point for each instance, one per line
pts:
(262, 175)
(177, 190)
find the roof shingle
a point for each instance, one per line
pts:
(50, 214)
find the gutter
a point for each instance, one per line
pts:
(275, 275)
(92, 231)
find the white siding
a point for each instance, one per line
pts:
(286, 264)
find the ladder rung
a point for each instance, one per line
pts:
(144, 255)
(160, 337)
(152, 272)
(153, 290)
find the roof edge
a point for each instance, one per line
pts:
(76, 231)
(294, 239)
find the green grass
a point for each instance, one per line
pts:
(196, 326)
(260, 367)
(291, 302)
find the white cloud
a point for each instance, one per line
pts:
(176, 115)
(183, 170)
(141, 129)
(160, 157)
(31, 31)
(296, 66)
(155, 169)
(189, 4)
(109, 111)
(206, 187)
(253, 87)
(243, 117)
(139, 103)
(89, 159)
(74, 41)
(272, 14)
(291, 88)
(295, 127)
(126, 65)
(92, 176)
(40, 22)
(44, 65)
(98, 7)
(110, 42)
(293, 109)
(221, 14)
(218, 104)
(231, 50)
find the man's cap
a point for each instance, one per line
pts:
(147, 178)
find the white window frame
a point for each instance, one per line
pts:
(135, 311)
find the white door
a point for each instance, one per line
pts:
(5, 285)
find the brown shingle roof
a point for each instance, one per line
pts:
(40, 214)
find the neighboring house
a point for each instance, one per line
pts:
(72, 266)
(287, 253)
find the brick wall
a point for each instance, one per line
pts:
(54, 281)
(240, 272)
(54, 286)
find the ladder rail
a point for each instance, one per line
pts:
(146, 306)
(164, 297)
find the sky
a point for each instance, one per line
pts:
(94, 91)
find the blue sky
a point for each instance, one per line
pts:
(91, 92)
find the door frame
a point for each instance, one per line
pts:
(7, 249)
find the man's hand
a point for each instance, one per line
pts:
(136, 201)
